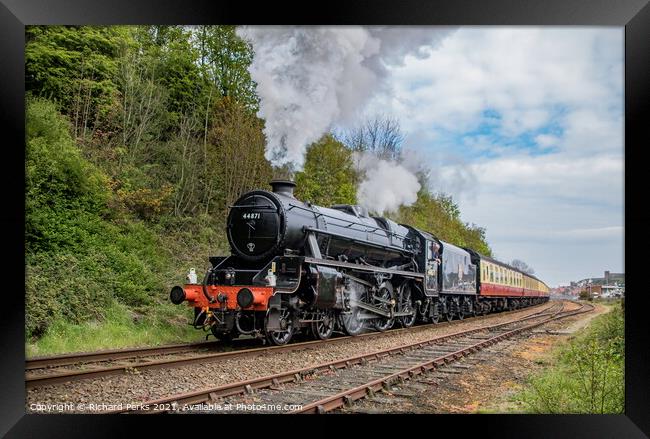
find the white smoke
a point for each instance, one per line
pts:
(387, 184)
(309, 78)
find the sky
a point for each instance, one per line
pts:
(524, 128)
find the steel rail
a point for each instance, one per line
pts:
(43, 362)
(47, 379)
(241, 387)
(348, 396)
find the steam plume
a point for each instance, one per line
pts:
(387, 184)
(309, 78)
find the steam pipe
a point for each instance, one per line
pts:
(204, 286)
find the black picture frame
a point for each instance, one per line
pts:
(633, 14)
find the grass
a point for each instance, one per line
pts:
(585, 374)
(120, 328)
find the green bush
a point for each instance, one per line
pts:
(589, 375)
(77, 261)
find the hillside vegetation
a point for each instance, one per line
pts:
(137, 140)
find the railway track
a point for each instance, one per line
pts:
(72, 367)
(47, 362)
(330, 385)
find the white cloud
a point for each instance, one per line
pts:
(524, 74)
(547, 140)
(563, 217)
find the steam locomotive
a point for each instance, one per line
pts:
(297, 267)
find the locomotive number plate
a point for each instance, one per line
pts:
(252, 215)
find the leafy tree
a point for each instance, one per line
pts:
(142, 104)
(450, 207)
(224, 59)
(233, 156)
(167, 56)
(328, 176)
(57, 178)
(75, 67)
(474, 237)
(440, 216)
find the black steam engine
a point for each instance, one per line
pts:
(296, 267)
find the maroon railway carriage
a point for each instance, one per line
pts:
(505, 287)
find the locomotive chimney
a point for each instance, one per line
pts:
(283, 187)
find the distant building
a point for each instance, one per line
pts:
(595, 290)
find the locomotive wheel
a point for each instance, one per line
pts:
(279, 338)
(352, 324)
(323, 329)
(407, 305)
(382, 324)
(435, 318)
